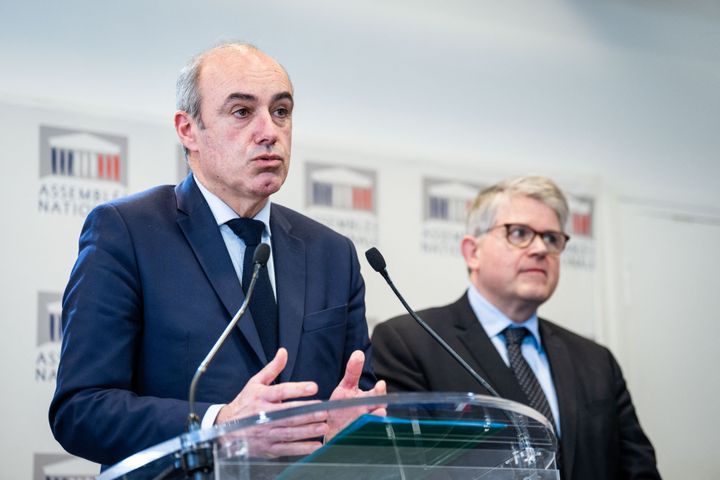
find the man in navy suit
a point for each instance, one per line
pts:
(158, 277)
(515, 235)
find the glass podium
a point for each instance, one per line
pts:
(423, 436)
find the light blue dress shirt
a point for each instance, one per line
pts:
(494, 322)
(236, 248)
(235, 245)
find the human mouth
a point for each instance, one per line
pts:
(268, 158)
(268, 161)
(536, 271)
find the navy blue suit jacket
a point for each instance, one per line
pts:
(152, 290)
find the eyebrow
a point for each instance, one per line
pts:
(248, 97)
(283, 96)
(238, 96)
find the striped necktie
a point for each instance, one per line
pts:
(524, 374)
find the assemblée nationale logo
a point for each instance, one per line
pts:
(580, 251)
(344, 198)
(49, 336)
(445, 205)
(79, 170)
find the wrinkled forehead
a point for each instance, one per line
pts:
(241, 67)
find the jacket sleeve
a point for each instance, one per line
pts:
(393, 358)
(95, 412)
(637, 456)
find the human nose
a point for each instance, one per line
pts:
(537, 246)
(265, 129)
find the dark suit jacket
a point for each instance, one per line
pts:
(600, 434)
(151, 291)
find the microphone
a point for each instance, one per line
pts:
(377, 262)
(196, 459)
(524, 449)
(260, 258)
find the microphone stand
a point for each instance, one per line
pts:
(193, 421)
(527, 452)
(196, 459)
(377, 262)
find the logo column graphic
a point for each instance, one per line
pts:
(445, 207)
(343, 198)
(79, 170)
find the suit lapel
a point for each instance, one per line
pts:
(487, 361)
(198, 224)
(289, 260)
(564, 379)
(484, 357)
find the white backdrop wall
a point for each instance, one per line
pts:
(618, 102)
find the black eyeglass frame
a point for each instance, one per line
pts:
(548, 244)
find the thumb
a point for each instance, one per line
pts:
(353, 370)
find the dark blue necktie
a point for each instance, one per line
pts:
(263, 306)
(524, 374)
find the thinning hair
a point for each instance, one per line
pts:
(483, 211)
(187, 91)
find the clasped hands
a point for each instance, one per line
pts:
(298, 435)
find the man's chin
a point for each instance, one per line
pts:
(265, 187)
(535, 294)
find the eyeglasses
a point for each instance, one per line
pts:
(522, 236)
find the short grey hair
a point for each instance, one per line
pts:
(187, 92)
(482, 212)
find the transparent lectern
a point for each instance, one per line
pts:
(423, 436)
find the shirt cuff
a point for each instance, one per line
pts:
(211, 414)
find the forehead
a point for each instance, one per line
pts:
(528, 211)
(241, 70)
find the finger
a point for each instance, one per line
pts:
(295, 420)
(283, 391)
(353, 370)
(380, 388)
(294, 434)
(270, 371)
(274, 433)
(294, 449)
(380, 412)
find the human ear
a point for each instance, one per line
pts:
(185, 126)
(469, 249)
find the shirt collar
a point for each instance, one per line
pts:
(223, 213)
(494, 321)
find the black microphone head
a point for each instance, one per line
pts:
(262, 254)
(375, 259)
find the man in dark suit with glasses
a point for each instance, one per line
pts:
(512, 250)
